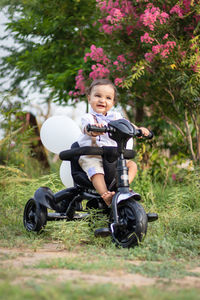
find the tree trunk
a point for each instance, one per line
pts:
(139, 115)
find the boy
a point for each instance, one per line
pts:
(101, 97)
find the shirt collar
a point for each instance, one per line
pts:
(100, 115)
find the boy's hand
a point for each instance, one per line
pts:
(95, 133)
(145, 131)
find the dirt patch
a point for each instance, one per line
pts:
(24, 260)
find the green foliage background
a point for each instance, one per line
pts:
(51, 38)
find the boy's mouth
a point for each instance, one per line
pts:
(101, 105)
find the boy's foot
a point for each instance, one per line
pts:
(107, 197)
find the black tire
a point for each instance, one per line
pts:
(134, 218)
(35, 216)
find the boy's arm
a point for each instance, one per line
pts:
(144, 130)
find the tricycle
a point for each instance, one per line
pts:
(127, 219)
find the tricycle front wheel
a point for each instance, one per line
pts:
(35, 216)
(133, 224)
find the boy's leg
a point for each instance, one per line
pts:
(93, 166)
(132, 170)
(98, 182)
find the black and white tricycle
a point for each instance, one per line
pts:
(127, 219)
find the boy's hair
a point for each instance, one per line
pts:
(102, 82)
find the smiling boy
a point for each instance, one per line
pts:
(101, 97)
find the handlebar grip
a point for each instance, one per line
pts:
(90, 127)
(151, 135)
(139, 134)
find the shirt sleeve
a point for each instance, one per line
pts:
(118, 116)
(85, 120)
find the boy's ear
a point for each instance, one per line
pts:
(88, 97)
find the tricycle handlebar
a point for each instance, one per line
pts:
(109, 129)
(90, 127)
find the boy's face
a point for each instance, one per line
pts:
(101, 98)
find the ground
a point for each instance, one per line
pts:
(24, 264)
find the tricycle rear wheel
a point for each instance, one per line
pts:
(35, 216)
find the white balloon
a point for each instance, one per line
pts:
(129, 144)
(65, 174)
(58, 133)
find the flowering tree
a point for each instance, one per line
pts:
(150, 49)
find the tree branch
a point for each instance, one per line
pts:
(169, 121)
(197, 127)
(189, 137)
(173, 100)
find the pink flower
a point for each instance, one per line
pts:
(163, 17)
(121, 58)
(114, 12)
(115, 16)
(187, 4)
(164, 49)
(118, 81)
(108, 29)
(80, 82)
(183, 53)
(156, 49)
(196, 66)
(151, 15)
(99, 71)
(149, 56)
(97, 55)
(177, 10)
(164, 53)
(165, 36)
(170, 44)
(146, 38)
(174, 176)
(12, 144)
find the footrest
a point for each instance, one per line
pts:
(152, 217)
(102, 232)
(56, 216)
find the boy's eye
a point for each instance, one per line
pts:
(109, 98)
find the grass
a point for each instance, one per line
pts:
(168, 269)
(98, 265)
(170, 250)
(102, 265)
(174, 235)
(78, 291)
